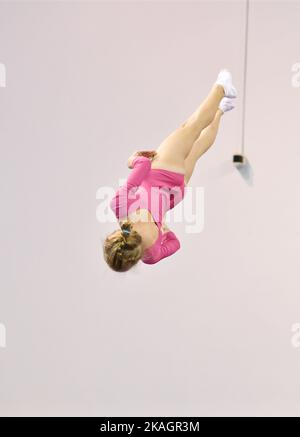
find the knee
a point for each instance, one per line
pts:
(190, 129)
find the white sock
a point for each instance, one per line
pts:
(226, 104)
(225, 80)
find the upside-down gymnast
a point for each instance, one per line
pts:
(157, 183)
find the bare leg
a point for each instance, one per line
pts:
(173, 151)
(201, 145)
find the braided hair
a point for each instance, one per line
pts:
(123, 249)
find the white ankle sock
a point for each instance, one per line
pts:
(226, 104)
(225, 80)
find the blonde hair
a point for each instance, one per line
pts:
(123, 248)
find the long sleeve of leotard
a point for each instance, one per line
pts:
(140, 168)
(169, 245)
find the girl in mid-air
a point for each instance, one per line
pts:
(157, 183)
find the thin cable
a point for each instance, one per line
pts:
(245, 74)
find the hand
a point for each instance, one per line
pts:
(130, 159)
(150, 154)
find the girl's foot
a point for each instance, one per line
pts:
(225, 80)
(226, 104)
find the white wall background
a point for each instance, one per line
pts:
(206, 332)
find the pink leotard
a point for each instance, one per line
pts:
(157, 190)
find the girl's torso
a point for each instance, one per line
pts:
(151, 192)
(159, 192)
